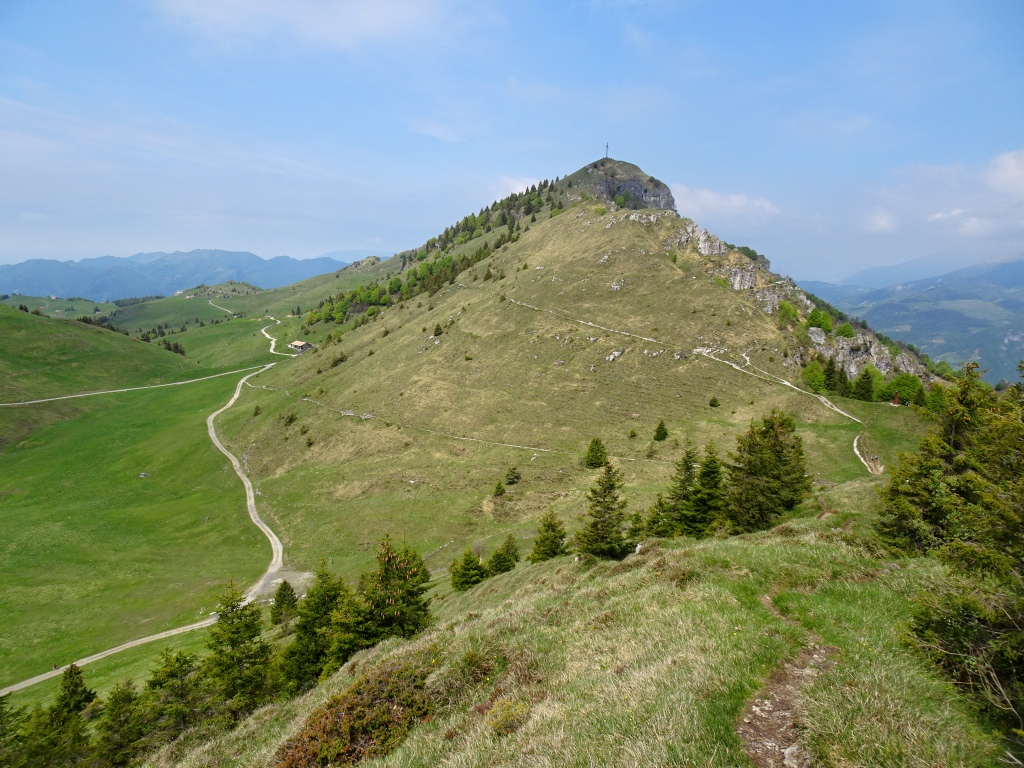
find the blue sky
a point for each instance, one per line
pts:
(828, 136)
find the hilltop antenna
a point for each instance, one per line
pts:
(606, 150)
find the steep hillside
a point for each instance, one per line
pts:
(596, 322)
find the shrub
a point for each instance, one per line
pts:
(845, 331)
(820, 319)
(814, 377)
(713, 402)
(507, 716)
(368, 720)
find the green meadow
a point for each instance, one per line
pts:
(95, 555)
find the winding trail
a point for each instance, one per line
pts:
(273, 341)
(277, 550)
(873, 467)
(218, 306)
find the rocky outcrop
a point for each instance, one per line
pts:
(853, 354)
(706, 244)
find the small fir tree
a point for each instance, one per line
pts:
(395, 592)
(767, 474)
(550, 540)
(603, 535)
(499, 489)
(707, 507)
(661, 431)
(467, 572)
(864, 386)
(505, 557)
(304, 659)
(285, 603)
(120, 729)
(513, 476)
(597, 456)
(239, 660)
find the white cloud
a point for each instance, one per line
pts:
(1005, 174)
(703, 202)
(506, 185)
(338, 23)
(881, 221)
(942, 215)
(436, 129)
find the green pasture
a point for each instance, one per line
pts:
(95, 555)
(61, 308)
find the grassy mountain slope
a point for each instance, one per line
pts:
(243, 299)
(504, 385)
(650, 662)
(58, 307)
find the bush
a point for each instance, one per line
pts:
(713, 402)
(814, 376)
(787, 314)
(368, 720)
(845, 331)
(820, 319)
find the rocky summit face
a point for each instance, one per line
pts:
(615, 181)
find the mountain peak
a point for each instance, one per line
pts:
(625, 184)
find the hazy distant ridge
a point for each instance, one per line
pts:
(112, 277)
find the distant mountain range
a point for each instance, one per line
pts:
(145, 274)
(975, 313)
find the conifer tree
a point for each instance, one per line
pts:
(659, 520)
(603, 535)
(661, 431)
(550, 540)
(597, 456)
(467, 572)
(120, 729)
(767, 474)
(285, 603)
(304, 659)
(680, 491)
(513, 476)
(499, 489)
(864, 386)
(12, 738)
(394, 592)
(174, 697)
(707, 507)
(239, 660)
(505, 557)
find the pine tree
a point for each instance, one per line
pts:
(120, 729)
(603, 536)
(285, 603)
(681, 489)
(864, 386)
(767, 474)
(304, 659)
(174, 697)
(467, 572)
(597, 456)
(659, 520)
(72, 697)
(505, 557)
(707, 506)
(513, 476)
(550, 540)
(499, 489)
(394, 592)
(661, 431)
(835, 378)
(12, 738)
(239, 660)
